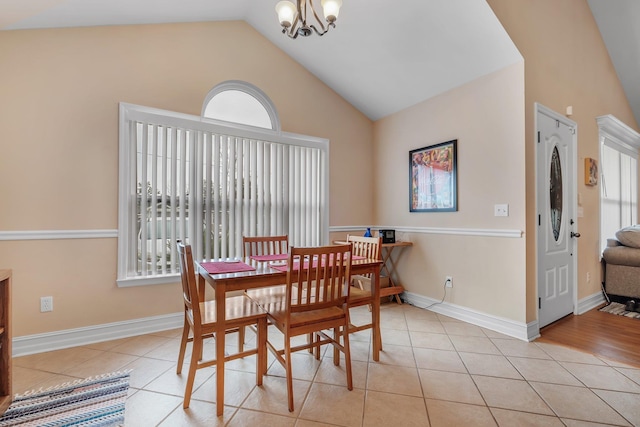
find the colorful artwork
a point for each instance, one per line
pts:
(432, 176)
(590, 171)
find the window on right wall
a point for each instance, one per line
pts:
(619, 147)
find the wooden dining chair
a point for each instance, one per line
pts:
(362, 293)
(200, 323)
(264, 245)
(315, 301)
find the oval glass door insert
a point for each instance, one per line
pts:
(555, 193)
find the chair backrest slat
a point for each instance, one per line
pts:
(264, 245)
(318, 277)
(189, 285)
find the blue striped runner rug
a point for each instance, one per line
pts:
(97, 401)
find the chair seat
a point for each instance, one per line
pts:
(265, 295)
(356, 295)
(238, 309)
(278, 315)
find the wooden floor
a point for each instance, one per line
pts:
(603, 334)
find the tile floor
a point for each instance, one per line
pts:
(434, 371)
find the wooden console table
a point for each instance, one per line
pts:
(389, 269)
(5, 340)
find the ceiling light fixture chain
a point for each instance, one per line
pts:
(293, 17)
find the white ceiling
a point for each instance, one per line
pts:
(382, 57)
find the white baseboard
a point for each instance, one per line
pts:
(590, 302)
(40, 343)
(522, 331)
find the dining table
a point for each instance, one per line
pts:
(241, 274)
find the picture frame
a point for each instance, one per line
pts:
(590, 171)
(433, 181)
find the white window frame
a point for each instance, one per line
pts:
(616, 135)
(127, 227)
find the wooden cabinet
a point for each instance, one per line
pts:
(5, 340)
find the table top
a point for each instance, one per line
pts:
(264, 274)
(396, 244)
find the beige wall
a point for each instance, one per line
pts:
(486, 116)
(566, 63)
(59, 148)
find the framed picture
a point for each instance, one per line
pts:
(433, 178)
(590, 171)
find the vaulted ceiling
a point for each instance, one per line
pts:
(382, 57)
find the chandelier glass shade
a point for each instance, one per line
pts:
(301, 19)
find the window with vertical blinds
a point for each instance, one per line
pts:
(209, 183)
(619, 146)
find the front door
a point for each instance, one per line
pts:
(556, 205)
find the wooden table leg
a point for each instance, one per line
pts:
(375, 315)
(220, 340)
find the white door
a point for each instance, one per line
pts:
(556, 205)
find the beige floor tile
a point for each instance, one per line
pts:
(237, 387)
(328, 373)
(385, 409)
(464, 329)
(395, 337)
(393, 321)
(447, 414)
(566, 354)
(545, 371)
(171, 383)
(58, 361)
(307, 423)
(441, 360)
(506, 418)
(271, 397)
(304, 366)
(472, 344)
(577, 403)
(418, 325)
(25, 379)
(334, 405)
(198, 414)
(146, 370)
(602, 377)
(578, 423)
(245, 418)
(517, 348)
(167, 351)
(631, 373)
(433, 340)
(451, 386)
(106, 362)
(627, 404)
(493, 334)
(511, 394)
(396, 355)
(393, 379)
(148, 409)
(489, 365)
(139, 346)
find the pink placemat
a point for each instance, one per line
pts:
(272, 257)
(220, 267)
(296, 265)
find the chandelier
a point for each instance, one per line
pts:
(293, 17)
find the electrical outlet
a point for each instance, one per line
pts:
(501, 210)
(46, 304)
(448, 282)
(588, 277)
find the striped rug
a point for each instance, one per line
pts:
(619, 309)
(96, 402)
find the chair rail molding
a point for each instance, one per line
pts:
(482, 232)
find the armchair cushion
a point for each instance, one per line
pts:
(629, 236)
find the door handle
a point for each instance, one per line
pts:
(576, 235)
